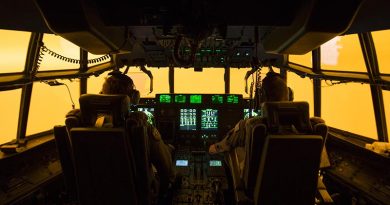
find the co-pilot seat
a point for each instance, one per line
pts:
(280, 161)
(102, 156)
(147, 192)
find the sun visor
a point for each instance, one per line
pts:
(78, 21)
(317, 22)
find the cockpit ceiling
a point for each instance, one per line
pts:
(374, 15)
(23, 15)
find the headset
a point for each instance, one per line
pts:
(133, 93)
(290, 94)
(262, 95)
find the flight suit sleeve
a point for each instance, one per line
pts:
(161, 158)
(234, 138)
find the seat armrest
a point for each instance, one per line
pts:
(322, 193)
(233, 159)
(241, 198)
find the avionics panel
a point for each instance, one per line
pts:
(195, 99)
(209, 119)
(251, 113)
(188, 119)
(149, 111)
(197, 118)
(180, 98)
(232, 99)
(181, 163)
(165, 98)
(201, 100)
(215, 163)
(217, 99)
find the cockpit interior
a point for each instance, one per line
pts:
(199, 68)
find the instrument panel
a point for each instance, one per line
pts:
(197, 119)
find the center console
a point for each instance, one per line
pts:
(203, 178)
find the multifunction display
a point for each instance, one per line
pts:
(187, 119)
(209, 119)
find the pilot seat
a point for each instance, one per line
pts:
(105, 155)
(281, 158)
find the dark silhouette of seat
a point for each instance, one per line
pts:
(288, 170)
(282, 146)
(92, 106)
(101, 155)
(103, 165)
(139, 141)
(64, 152)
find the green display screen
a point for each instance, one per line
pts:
(217, 99)
(165, 99)
(232, 99)
(195, 99)
(180, 98)
(215, 163)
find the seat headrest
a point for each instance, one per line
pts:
(286, 113)
(94, 105)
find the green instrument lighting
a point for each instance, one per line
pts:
(217, 99)
(180, 99)
(165, 99)
(232, 99)
(195, 99)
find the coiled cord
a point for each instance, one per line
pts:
(38, 61)
(44, 49)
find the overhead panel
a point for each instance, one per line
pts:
(317, 22)
(78, 21)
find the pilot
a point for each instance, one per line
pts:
(160, 153)
(274, 88)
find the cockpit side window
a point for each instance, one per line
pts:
(343, 53)
(305, 60)
(13, 50)
(97, 59)
(382, 42)
(302, 88)
(62, 47)
(386, 102)
(237, 82)
(95, 83)
(49, 105)
(9, 109)
(349, 107)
